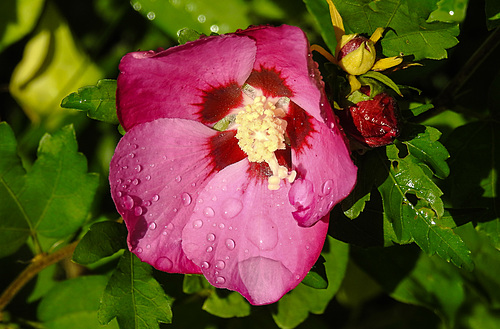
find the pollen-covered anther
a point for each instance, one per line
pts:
(261, 132)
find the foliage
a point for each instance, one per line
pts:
(416, 244)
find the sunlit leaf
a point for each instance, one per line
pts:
(98, 101)
(52, 67)
(449, 11)
(52, 199)
(226, 304)
(134, 297)
(202, 16)
(17, 18)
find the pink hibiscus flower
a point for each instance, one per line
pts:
(232, 160)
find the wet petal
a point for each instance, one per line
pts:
(198, 80)
(155, 175)
(292, 60)
(244, 237)
(325, 171)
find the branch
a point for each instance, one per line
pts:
(38, 263)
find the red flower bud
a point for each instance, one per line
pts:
(372, 122)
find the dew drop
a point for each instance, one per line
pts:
(136, 182)
(163, 264)
(139, 250)
(230, 244)
(138, 168)
(128, 202)
(220, 264)
(164, 233)
(263, 233)
(327, 187)
(152, 226)
(148, 177)
(220, 280)
(221, 226)
(178, 179)
(231, 207)
(205, 265)
(175, 210)
(138, 211)
(186, 199)
(119, 194)
(209, 212)
(209, 249)
(197, 223)
(125, 167)
(210, 237)
(156, 197)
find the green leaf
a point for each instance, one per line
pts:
(102, 240)
(425, 147)
(53, 199)
(17, 18)
(408, 31)
(98, 101)
(225, 304)
(419, 220)
(294, 307)
(316, 278)
(381, 78)
(450, 11)
(205, 17)
(194, 283)
(319, 10)
(74, 304)
(415, 278)
(134, 297)
(492, 14)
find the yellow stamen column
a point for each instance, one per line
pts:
(261, 132)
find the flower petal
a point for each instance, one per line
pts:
(285, 49)
(198, 80)
(244, 237)
(325, 173)
(155, 175)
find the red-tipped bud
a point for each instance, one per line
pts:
(356, 54)
(372, 122)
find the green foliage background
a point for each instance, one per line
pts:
(416, 245)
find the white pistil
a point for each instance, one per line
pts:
(261, 132)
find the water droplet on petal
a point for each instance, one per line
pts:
(205, 265)
(221, 226)
(220, 280)
(136, 182)
(138, 211)
(178, 179)
(156, 197)
(231, 207)
(263, 233)
(128, 202)
(230, 244)
(139, 250)
(220, 264)
(327, 187)
(152, 226)
(198, 223)
(186, 199)
(163, 264)
(209, 249)
(119, 194)
(210, 237)
(138, 168)
(148, 177)
(209, 212)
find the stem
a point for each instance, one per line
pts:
(446, 98)
(38, 263)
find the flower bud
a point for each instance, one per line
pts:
(372, 122)
(356, 54)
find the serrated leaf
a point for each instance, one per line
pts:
(419, 222)
(408, 31)
(98, 101)
(58, 309)
(102, 240)
(134, 297)
(425, 147)
(294, 307)
(52, 199)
